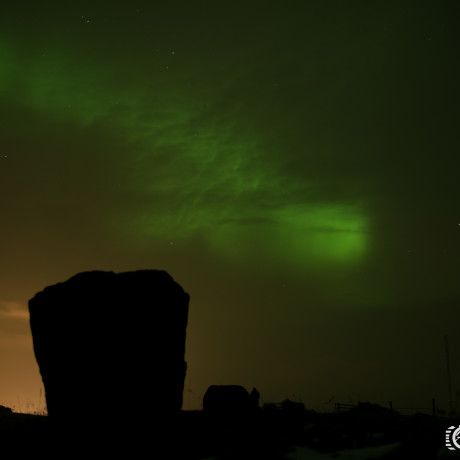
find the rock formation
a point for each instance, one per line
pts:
(111, 346)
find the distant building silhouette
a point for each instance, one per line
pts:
(229, 400)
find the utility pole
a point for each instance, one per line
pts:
(446, 342)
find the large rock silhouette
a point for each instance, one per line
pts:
(111, 346)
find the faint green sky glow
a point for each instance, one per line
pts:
(284, 161)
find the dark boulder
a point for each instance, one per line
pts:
(110, 347)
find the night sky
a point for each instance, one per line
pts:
(294, 165)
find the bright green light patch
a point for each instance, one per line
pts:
(322, 218)
(308, 236)
(335, 233)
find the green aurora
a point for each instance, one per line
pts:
(292, 164)
(197, 163)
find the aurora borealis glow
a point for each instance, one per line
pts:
(293, 165)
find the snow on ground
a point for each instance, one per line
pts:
(445, 453)
(363, 453)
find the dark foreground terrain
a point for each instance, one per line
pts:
(367, 431)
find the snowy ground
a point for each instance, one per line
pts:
(364, 453)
